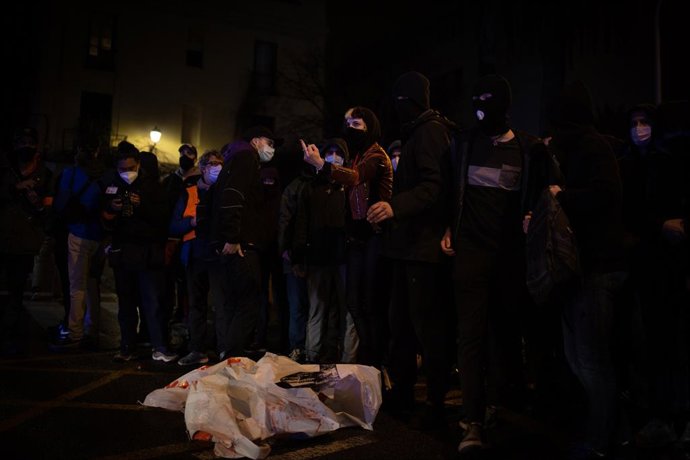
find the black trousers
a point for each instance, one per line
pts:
(419, 315)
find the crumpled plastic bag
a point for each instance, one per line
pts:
(239, 403)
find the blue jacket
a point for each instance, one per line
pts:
(72, 182)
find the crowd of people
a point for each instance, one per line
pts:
(379, 256)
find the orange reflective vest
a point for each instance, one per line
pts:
(190, 210)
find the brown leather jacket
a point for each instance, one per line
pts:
(369, 180)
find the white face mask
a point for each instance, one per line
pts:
(129, 176)
(395, 161)
(480, 115)
(641, 134)
(334, 159)
(266, 153)
(212, 173)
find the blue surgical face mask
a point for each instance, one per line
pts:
(266, 153)
(129, 176)
(212, 173)
(334, 159)
(641, 134)
(395, 161)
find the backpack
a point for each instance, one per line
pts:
(552, 256)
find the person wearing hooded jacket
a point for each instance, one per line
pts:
(319, 245)
(592, 199)
(368, 180)
(497, 175)
(414, 223)
(236, 235)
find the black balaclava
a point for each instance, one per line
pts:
(411, 96)
(357, 140)
(574, 107)
(492, 112)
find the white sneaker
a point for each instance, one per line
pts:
(164, 355)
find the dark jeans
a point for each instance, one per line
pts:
(365, 297)
(588, 322)
(140, 288)
(299, 308)
(236, 282)
(420, 312)
(272, 280)
(489, 291)
(198, 289)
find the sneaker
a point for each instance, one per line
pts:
(490, 419)
(64, 344)
(296, 355)
(195, 357)
(163, 355)
(472, 439)
(124, 356)
(656, 433)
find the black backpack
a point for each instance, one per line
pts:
(553, 260)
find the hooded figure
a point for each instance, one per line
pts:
(329, 148)
(642, 120)
(491, 99)
(411, 96)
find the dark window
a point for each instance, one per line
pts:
(191, 125)
(265, 67)
(95, 115)
(195, 48)
(100, 53)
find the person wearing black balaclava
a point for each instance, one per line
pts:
(414, 221)
(491, 193)
(591, 198)
(368, 180)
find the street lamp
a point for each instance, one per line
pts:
(155, 136)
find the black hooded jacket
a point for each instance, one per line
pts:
(420, 190)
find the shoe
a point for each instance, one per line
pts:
(472, 440)
(64, 344)
(222, 356)
(195, 357)
(656, 433)
(163, 355)
(124, 356)
(583, 452)
(296, 355)
(490, 419)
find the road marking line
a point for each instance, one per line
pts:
(74, 405)
(157, 452)
(35, 411)
(319, 451)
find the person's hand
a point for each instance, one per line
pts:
(116, 204)
(312, 155)
(193, 222)
(27, 184)
(525, 222)
(232, 248)
(286, 256)
(378, 212)
(554, 189)
(135, 199)
(447, 244)
(674, 230)
(299, 271)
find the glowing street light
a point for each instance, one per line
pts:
(155, 136)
